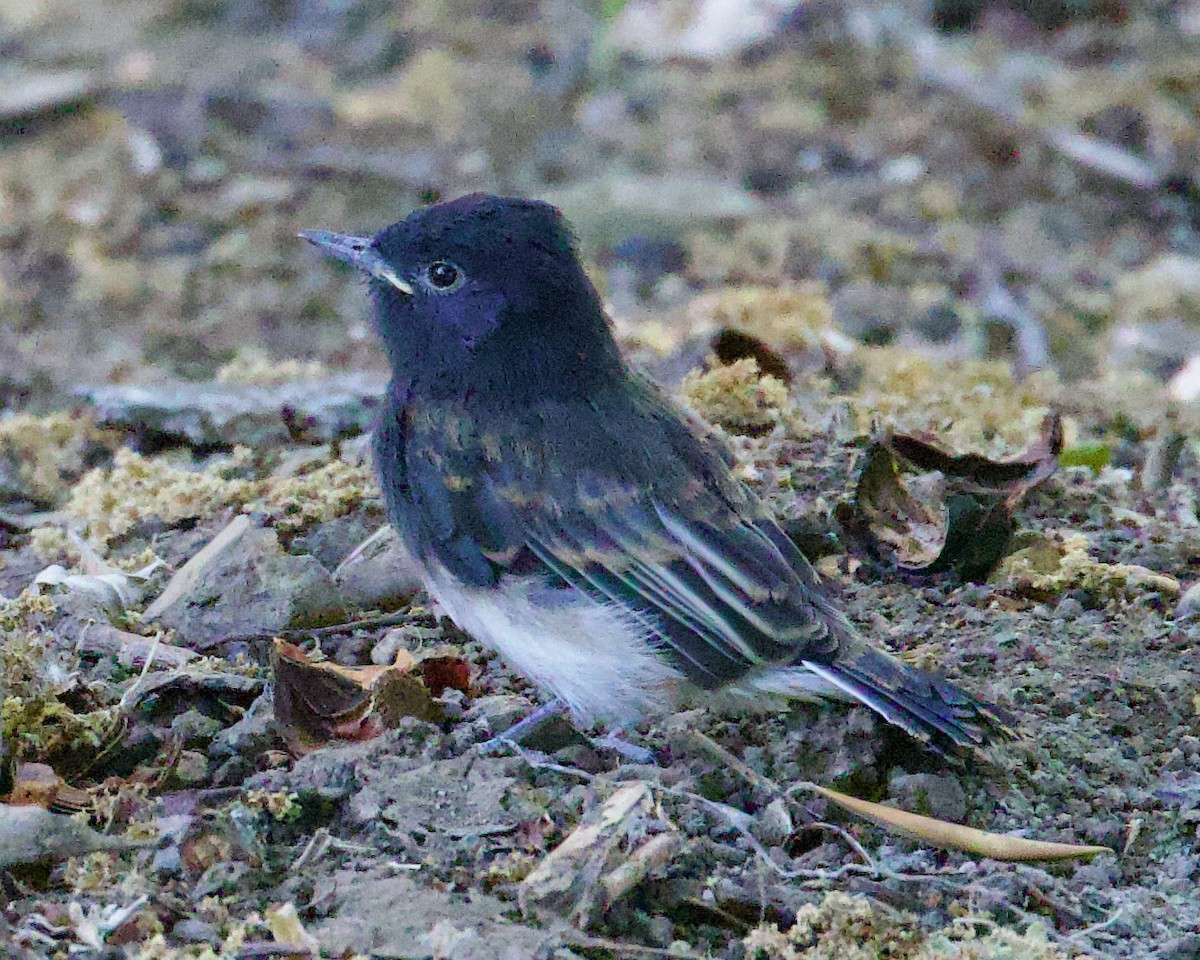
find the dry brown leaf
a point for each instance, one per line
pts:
(37, 785)
(921, 510)
(316, 702)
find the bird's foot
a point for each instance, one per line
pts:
(522, 728)
(623, 748)
(613, 741)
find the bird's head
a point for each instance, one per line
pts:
(482, 294)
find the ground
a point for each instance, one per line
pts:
(852, 219)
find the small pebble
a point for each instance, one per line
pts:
(384, 652)
(1068, 609)
(1189, 603)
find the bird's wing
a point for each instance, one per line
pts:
(654, 521)
(649, 518)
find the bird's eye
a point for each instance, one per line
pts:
(443, 275)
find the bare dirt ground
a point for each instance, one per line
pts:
(947, 223)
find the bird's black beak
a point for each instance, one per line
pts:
(358, 252)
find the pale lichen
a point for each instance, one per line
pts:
(280, 805)
(1049, 566)
(115, 500)
(52, 545)
(333, 490)
(785, 317)
(846, 927)
(41, 456)
(34, 675)
(255, 367)
(973, 405)
(737, 396)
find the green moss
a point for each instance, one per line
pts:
(34, 719)
(1093, 455)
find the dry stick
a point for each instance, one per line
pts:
(252, 950)
(766, 784)
(825, 876)
(366, 623)
(1088, 932)
(869, 868)
(734, 763)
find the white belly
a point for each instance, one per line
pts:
(598, 658)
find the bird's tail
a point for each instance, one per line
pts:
(922, 703)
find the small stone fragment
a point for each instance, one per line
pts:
(1189, 603)
(930, 795)
(27, 93)
(773, 824)
(243, 584)
(210, 415)
(379, 574)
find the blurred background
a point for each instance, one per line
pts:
(979, 178)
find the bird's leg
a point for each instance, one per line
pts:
(613, 741)
(623, 748)
(522, 728)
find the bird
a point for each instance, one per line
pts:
(563, 511)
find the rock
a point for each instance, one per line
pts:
(243, 584)
(498, 712)
(29, 93)
(874, 313)
(930, 795)
(329, 773)
(190, 930)
(440, 796)
(386, 914)
(379, 574)
(33, 835)
(1157, 316)
(1069, 608)
(1189, 603)
(193, 728)
(334, 540)
(773, 824)
(384, 652)
(661, 29)
(224, 415)
(190, 769)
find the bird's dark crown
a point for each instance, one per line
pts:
(485, 296)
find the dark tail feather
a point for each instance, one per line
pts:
(921, 703)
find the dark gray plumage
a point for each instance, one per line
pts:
(566, 514)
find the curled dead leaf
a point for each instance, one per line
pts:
(316, 702)
(730, 345)
(37, 785)
(921, 510)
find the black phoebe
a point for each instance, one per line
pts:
(567, 515)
